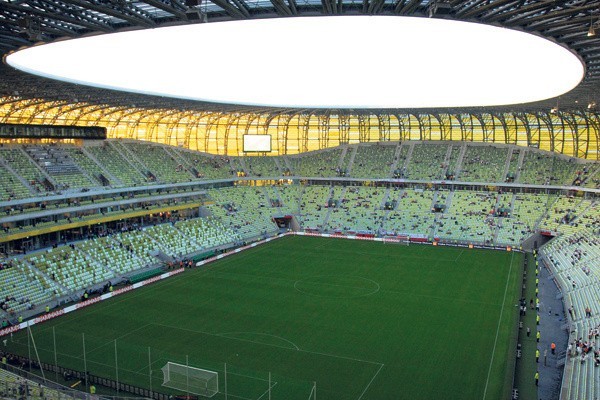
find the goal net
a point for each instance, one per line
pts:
(190, 380)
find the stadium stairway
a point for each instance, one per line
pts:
(342, 157)
(32, 166)
(409, 153)
(115, 163)
(573, 259)
(384, 198)
(94, 260)
(396, 159)
(243, 166)
(277, 195)
(291, 197)
(332, 195)
(350, 163)
(114, 180)
(500, 220)
(16, 176)
(82, 170)
(455, 158)
(449, 200)
(459, 162)
(129, 157)
(592, 177)
(29, 265)
(278, 162)
(176, 155)
(286, 164)
(448, 155)
(507, 164)
(522, 153)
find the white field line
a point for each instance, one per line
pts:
(487, 381)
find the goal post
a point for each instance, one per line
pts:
(190, 379)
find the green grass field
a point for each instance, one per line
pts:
(363, 320)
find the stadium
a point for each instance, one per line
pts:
(311, 213)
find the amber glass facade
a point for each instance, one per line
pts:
(570, 133)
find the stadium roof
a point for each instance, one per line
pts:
(25, 22)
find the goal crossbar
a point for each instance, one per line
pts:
(190, 379)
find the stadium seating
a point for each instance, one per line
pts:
(116, 164)
(524, 216)
(412, 215)
(24, 289)
(208, 233)
(373, 161)
(69, 267)
(140, 244)
(562, 213)
(357, 211)
(242, 213)
(24, 166)
(86, 164)
(208, 166)
(261, 166)
(313, 207)
(244, 210)
(13, 386)
(326, 163)
(173, 241)
(58, 165)
(11, 187)
(426, 162)
(113, 254)
(290, 196)
(162, 166)
(589, 217)
(469, 219)
(483, 164)
(590, 176)
(547, 169)
(573, 260)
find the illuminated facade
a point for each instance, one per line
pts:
(571, 133)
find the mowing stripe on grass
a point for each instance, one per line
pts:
(487, 381)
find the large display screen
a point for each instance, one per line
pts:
(24, 131)
(257, 143)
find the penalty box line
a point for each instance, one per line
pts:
(162, 360)
(378, 364)
(113, 340)
(271, 345)
(139, 371)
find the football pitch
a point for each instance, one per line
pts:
(359, 320)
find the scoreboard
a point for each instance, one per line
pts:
(26, 131)
(257, 143)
